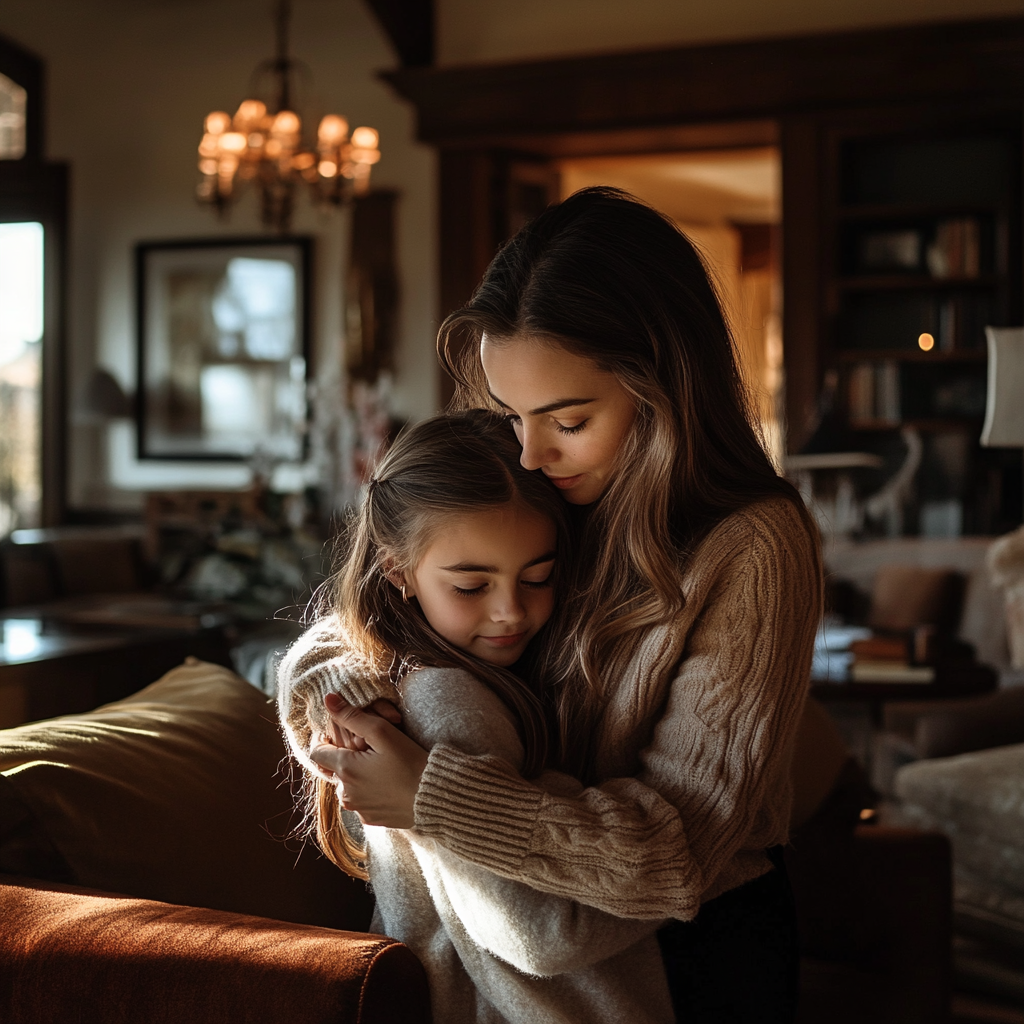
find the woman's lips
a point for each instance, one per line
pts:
(566, 482)
(504, 641)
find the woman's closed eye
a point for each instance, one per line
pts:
(573, 429)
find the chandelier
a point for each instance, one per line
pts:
(263, 143)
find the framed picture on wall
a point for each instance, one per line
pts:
(223, 348)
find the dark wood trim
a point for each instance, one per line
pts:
(410, 27)
(729, 81)
(26, 69)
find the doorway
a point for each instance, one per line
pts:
(728, 202)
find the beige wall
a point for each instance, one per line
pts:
(129, 84)
(471, 31)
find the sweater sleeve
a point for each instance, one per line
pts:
(535, 932)
(321, 657)
(657, 844)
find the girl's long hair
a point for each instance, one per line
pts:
(436, 471)
(605, 277)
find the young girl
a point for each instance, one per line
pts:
(682, 654)
(449, 576)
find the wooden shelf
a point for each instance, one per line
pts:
(910, 211)
(874, 355)
(928, 425)
(915, 282)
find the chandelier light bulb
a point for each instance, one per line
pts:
(365, 138)
(249, 114)
(217, 122)
(328, 168)
(210, 146)
(286, 123)
(233, 142)
(332, 130)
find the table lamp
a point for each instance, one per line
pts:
(1004, 408)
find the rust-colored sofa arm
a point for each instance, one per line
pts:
(72, 955)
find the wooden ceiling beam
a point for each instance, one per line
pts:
(410, 27)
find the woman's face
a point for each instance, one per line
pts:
(570, 416)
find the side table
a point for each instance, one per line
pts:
(50, 667)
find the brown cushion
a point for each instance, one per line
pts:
(906, 596)
(173, 794)
(74, 956)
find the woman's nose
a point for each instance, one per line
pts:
(535, 452)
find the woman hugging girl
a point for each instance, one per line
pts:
(674, 668)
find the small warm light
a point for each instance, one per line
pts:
(208, 166)
(868, 814)
(926, 342)
(210, 146)
(332, 130)
(233, 142)
(286, 123)
(328, 168)
(365, 156)
(365, 138)
(273, 148)
(218, 122)
(303, 160)
(256, 140)
(250, 113)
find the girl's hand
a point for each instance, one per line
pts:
(380, 782)
(345, 738)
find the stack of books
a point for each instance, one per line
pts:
(886, 659)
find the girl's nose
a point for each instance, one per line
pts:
(507, 607)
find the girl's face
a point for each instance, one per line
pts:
(570, 416)
(484, 582)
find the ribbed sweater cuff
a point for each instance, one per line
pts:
(478, 807)
(337, 676)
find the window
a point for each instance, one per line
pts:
(21, 334)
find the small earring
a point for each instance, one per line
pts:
(404, 598)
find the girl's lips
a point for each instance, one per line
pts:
(504, 641)
(566, 482)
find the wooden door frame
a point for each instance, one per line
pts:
(781, 91)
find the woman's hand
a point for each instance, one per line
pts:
(379, 782)
(348, 740)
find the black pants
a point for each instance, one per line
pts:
(737, 962)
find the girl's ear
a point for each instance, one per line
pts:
(398, 579)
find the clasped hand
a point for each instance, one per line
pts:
(378, 766)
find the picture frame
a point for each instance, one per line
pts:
(223, 333)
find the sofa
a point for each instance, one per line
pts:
(147, 874)
(968, 782)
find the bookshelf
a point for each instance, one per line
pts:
(923, 251)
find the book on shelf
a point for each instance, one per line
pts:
(896, 671)
(956, 250)
(874, 392)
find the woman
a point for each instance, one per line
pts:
(685, 641)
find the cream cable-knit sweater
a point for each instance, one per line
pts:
(495, 951)
(695, 743)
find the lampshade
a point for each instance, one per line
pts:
(1004, 409)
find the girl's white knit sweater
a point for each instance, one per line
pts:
(497, 951)
(694, 745)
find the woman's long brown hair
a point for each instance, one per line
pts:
(607, 278)
(436, 471)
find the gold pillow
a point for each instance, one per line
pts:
(174, 794)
